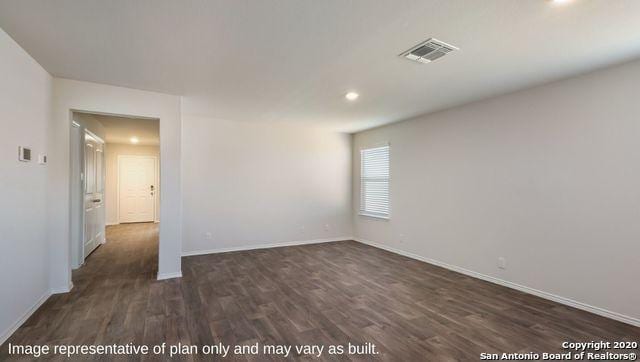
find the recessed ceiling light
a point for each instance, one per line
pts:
(134, 140)
(561, 2)
(351, 96)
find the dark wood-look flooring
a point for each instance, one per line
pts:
(330, 293)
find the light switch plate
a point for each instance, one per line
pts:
(24, 154)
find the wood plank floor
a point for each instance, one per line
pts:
(331, 293)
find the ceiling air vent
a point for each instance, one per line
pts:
(428, 51)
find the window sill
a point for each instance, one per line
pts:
(374, 216)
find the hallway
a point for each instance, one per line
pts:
(113, 294)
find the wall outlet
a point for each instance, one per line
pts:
(401, 238)
(208, 235)
(502, 262)
(327, 227)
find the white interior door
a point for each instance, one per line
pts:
(94, 223)
(136, 188)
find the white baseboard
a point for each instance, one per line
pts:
(60, 290)
(31, 310)
(556, 298)
(6, 334)
(265, 246)
(112, 223)
(163, 276)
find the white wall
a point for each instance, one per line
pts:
(547, 177)
(98, 98)
(25, 106)
(252, 184)
(112, 151)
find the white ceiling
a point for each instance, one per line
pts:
(293, 60)
(121, 130)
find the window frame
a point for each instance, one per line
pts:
(361, 208)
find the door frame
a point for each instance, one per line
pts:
(77, 237)
(93, 98)
(84, 188)
(156, 178)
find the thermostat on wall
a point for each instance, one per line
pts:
(24, 154)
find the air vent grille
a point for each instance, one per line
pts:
(428, 51)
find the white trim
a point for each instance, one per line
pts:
(11, 330)
(66, 289)
(94, 136)
(76, 210)
(112, 223)
(368, 214)
(83, 210)
(542, 294)
(265, 246)
(156, 191)
(163, 276)
(362, 205)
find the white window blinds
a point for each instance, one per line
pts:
(374, 182)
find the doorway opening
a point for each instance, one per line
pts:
(115, 177)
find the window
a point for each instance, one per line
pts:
(374, 182)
